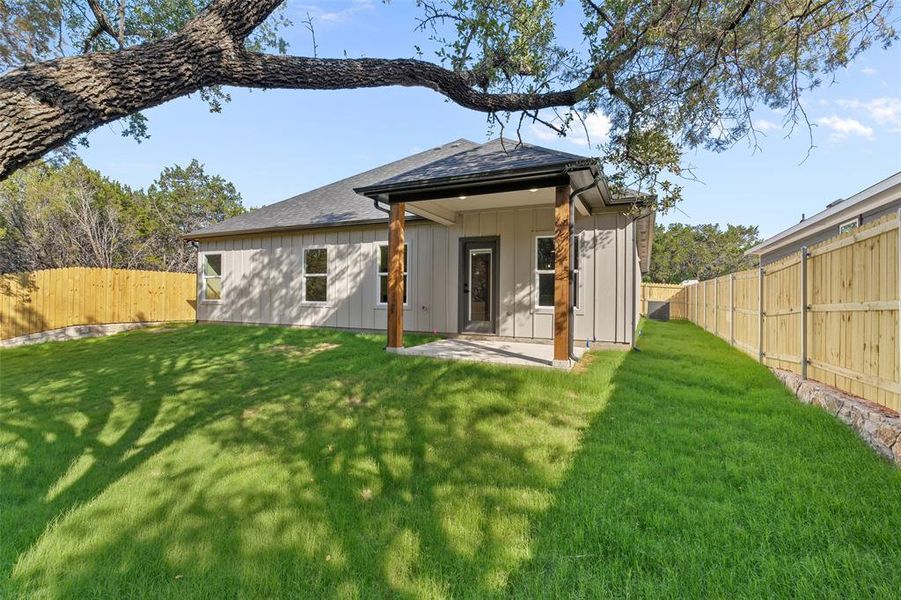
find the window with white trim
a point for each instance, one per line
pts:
(383, 273)
(211, 274)
(849, 225)
(315, 275)
(545, 270)
(577, 258)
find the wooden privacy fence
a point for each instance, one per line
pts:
(671, 292)
(829, 312)
(54, 298)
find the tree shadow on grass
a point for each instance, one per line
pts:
(235, 461)
(705, 478)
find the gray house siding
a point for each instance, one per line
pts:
(262, 276)
(824, 233)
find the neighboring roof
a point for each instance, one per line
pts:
(886, 191)
(332, 204)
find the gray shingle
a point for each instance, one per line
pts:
(332, 204)
(496, 156)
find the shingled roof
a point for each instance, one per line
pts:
(497, 156)
(343, 202)
(332, 204)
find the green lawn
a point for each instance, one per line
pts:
(216, 461)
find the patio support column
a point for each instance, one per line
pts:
(396, 278)
(562, 274)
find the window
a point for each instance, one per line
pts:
(544, 270)
(315, 275)
(577, 251)
(849, 225)
(212, 276)
(383, 273)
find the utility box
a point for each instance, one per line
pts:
(658, 310)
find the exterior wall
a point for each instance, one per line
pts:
(825, 233)
(262, 276)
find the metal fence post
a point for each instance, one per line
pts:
(760, 314)
(803, 312)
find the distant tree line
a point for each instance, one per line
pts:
(65, 215)
(683, 252)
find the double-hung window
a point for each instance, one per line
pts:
(383, 273)
(212, 276)
(545, 270)
(315, 275)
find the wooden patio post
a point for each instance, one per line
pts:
(396, 278)
(562, 308)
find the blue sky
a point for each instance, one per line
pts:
(275, 144)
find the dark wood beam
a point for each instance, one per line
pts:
(562, 300)
(396, 278)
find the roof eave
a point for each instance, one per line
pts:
(199, 235)
(475, 179)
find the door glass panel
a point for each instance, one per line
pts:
(480, 278)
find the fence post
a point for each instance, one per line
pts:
(803, 312)
(705, 304)
(716, 306)
(732, 308)
(760, 313)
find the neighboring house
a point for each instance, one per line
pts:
(478, 223)
(839, 216)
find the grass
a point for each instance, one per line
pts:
(215, 461)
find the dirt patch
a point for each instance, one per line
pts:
(584, 362)
(301, 352)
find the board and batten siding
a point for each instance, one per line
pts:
(262, 276)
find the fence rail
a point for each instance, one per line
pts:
(829, 312)
(54, 298)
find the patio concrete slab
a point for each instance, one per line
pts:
(521, 354)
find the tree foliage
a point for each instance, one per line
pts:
(68, 215)
(683, 252)
(670, 74)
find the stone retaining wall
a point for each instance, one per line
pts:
(879, 426)
(74, 332)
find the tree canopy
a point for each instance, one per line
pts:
(69, 215)
(682, 252)
(670, 74)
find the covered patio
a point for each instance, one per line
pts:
(520, 354)
(487, 177)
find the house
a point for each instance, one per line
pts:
(838, 217)
(463, 239)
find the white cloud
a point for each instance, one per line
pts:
(885, 110)
(868, 71)
(596, 124)
(339, 15)
(764, 125)
(842, 128)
